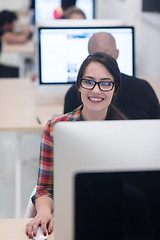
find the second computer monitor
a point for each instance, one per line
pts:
(44, 9)
(63, 49)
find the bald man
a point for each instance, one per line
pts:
(136, 98)
(103, 42)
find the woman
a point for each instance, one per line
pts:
(7, 33)
(98, 81)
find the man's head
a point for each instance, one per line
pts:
(7, 19)
(74, 13)
(103, 42)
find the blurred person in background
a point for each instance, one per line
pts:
(65, 4)
(73, 13)
(8, 34)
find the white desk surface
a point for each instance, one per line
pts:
(24, 48)
(14, 229)
(21, 102)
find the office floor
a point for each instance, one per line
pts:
(30, 152)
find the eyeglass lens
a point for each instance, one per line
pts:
(103, 86)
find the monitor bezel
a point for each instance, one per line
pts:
(79, 27)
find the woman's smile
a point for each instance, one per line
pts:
(95, 99)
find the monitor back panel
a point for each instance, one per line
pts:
(123, 157)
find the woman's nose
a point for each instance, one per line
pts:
(96, 89)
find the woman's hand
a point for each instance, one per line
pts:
(45, 221)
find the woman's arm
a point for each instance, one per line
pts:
(10, 37)
(44, 217)
(43, 198)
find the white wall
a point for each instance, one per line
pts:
(14, 4)
(147, 35)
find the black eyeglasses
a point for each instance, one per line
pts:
(89, 84)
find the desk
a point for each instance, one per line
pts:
(21, 102)
(14, 229)
(23, 50)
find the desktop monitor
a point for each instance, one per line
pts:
(62, 49)
(151, 6)
(107, 173)
(44, 9)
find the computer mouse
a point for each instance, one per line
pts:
(39, 235)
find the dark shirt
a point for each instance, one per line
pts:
(1, 33)
(32, 4)
(8, 71)
(136, 99)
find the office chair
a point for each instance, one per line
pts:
(30, 210)
(8, 71)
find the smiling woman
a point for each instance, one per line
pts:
(98, 81)
(97, 90)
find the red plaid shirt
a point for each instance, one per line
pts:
(45, 174)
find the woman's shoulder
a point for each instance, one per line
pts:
(71, 116)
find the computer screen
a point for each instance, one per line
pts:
(117, 205)
(63, 49)
(44, 9)
(151, 5)
(107, 175)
